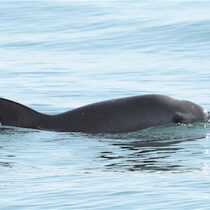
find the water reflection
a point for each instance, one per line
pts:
(167, 148)
(155, 149)
(10, 130)
(11, 138)
(6, 164)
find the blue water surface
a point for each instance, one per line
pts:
(56, 55)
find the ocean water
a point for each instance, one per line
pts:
(56, 55)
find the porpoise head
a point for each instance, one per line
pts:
(189, 112)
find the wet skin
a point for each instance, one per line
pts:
(113, 116)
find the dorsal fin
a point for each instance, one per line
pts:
(15, 114)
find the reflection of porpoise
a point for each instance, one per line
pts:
(113, 116)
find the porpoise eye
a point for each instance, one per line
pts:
(178, 118)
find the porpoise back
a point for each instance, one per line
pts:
(113, 116)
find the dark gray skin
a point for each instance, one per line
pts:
(113, 116)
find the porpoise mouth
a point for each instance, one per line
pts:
(208, 117)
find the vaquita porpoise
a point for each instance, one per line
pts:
(113, 116)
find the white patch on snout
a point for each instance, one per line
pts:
(205, 111)
(207, 115)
